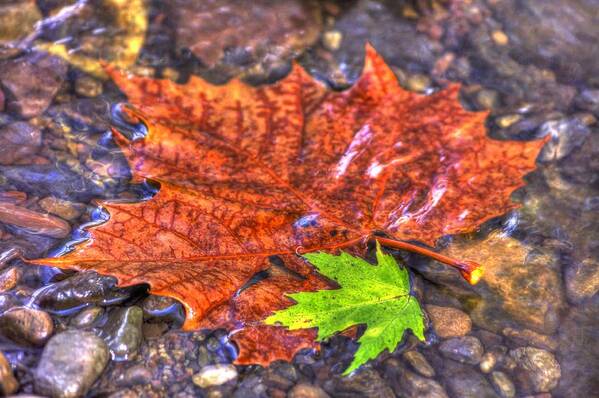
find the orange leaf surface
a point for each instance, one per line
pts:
(251, 174)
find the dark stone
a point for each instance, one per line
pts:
(466, 349)
(465, 382)
(80, 290)
(122, 332)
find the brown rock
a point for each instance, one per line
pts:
(62, 208)
(526, 336)
(9, 278)
(26, 326)
(305, 390)
(8, 383)
(448, 321)
(17, 19)
(31, 82)
(18, 141)
(33, 221)
(252, 31)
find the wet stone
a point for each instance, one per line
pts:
(305, 390)
(588, 100)
(503, 385)
(70, 364)
(448, 321)
(31, 82)
(18, 141)
(419, 363)
(27, 326)
(79, 290)
(582, 280)
(9, 278)
(464, 382)
(466, 349)
(17, 19)
(525, 336)
(566, 135)
(87, 86)
(8, 383)
(540, 371)
(215, 375)
(34, 222)
(62, 208)
(87, 317)
(137, 374)
(488, 362)
(366, 382)
(122, 332)
(162, 307)
(408, 384)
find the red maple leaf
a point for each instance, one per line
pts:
(250, 174)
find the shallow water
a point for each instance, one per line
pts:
(528, 328)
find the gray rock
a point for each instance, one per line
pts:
(26, 325)
(449, 322)
(18, 141)
(503, 385)
(365, 382)
(215, 375)
(562, 38)
(566, 135)
(540, 369)
(588, 100)
(122, 332)
(305, 390)
(81, 289)
(31, 82)
(578, 351)
(582, 280)
(415, 386)
(419, 363)
(466, 349)
(70, 363)
(464, 382)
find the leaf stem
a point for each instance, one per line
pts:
(470, 270)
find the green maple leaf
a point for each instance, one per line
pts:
(377, 296)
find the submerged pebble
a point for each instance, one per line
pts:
(419, 363)
(27, 326)
(215, 375)
(503, 385)
(540, 371)
(122, 332)
(449, 322)
(466, 349)
(18, 141)
(70, 363)
(31, 82)
(8, 383)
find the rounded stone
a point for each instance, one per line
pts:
(25, 325)
(448, 321)
(8, 383)
(503, 385)
(466, 349)
(70, 363)
(215, 375)
(419, 363)
(540, 368)
(305, 390)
